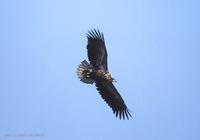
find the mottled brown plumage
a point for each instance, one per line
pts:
(97, 72)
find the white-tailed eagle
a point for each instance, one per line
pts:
(97, 72)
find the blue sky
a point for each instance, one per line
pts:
(153, 49)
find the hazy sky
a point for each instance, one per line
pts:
(154, 54)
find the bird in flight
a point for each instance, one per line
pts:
(96, 71)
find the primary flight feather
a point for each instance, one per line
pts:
(97, 72)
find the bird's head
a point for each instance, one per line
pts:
(109, 77)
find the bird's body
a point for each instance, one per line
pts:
(97, 72)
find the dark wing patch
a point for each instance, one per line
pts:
(110, 94)
(97, 53)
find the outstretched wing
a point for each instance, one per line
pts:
(110, 94)
(97, 53)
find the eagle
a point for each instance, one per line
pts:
(96, 71)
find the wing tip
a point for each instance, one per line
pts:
(122, 114)
(95, 34)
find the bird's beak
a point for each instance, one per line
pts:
(114, 80)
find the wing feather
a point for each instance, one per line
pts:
(97, 53)
(111, 96)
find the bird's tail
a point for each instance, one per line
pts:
(84, 71)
